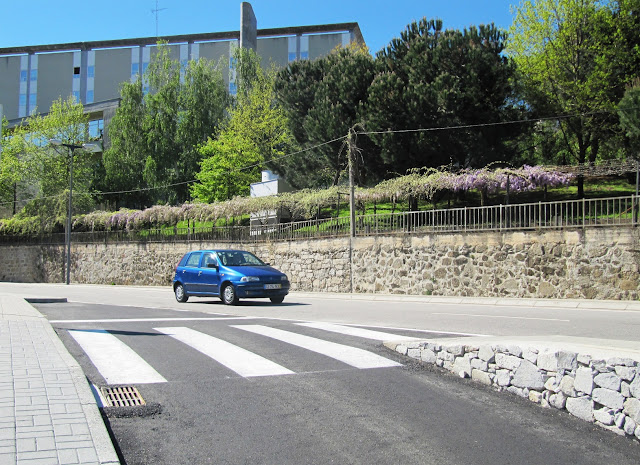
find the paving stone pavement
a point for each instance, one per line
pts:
(48, 414)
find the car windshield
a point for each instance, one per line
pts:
(239, 258)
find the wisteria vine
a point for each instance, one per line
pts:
(306, 203)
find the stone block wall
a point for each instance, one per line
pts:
(601, 391)
(595, 263)
(21, 264)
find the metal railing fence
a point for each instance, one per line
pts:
(614, 211)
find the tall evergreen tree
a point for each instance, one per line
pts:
(324, 99)
(430, 80)
(155, 134)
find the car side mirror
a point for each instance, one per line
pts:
(212, 265)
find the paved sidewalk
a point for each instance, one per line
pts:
(48, 414)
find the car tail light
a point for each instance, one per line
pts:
(178, 264)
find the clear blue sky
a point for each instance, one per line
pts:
(38, 22)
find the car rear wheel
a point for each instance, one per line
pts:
(229, 296)
(181, 295)
(277, 300)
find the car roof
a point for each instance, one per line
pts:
(218, 250)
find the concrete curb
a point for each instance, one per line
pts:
(494, 301)
(597, 381)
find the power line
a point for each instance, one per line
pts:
(192, 181)
(586, 169)
(497, 123)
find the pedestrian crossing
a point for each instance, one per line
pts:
(353, 356)
(120, 364)
(116, 361)
(242, 361)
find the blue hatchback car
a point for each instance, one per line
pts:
(228, 274)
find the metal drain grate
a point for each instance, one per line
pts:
(122, 396)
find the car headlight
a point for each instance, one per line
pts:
(248, 279)
(284, 278)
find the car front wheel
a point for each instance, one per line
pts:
(229, 296)
(277, 300)
(181, 295)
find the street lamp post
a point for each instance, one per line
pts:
(89, 147)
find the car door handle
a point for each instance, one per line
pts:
(199, 273)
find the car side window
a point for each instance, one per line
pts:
(208, 259)
(194, 260)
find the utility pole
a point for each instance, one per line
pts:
(352, 201)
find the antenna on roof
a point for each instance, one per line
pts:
(156, 11)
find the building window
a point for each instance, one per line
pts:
(91, 71)
(76, 95)
(76, 71)
(95, 128)
(32, 103)
(23, 100)
(89, 96)
(23, 75)
(34, 75)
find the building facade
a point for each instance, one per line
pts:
(32, 77)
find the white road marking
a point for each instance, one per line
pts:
(243, 362)
(116, 361)
(142, 320)
(350, 355)
(502, 316)
(359, 332)
(427, 331)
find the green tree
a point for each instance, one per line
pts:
(41, 171)
(323, 99)
(430, 79)
(124, 160)
(13, 167)
(629, 112)
(160, 124)
(256, 133)
(164, 116)
(202, 102)
(575, 58)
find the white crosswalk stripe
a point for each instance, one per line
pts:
(116, 361)
(243, 362)
(353, 356)
(359, 332)
(119, 364)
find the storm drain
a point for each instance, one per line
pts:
(121, 396)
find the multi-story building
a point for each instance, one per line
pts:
(32, 77)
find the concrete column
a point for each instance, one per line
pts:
(248, 27)
(84, 63)
(31, 91)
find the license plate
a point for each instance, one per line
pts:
(273, 286)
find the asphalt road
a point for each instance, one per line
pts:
(471, 316)
(325, 411)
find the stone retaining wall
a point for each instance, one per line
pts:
(594, 263)
(601, 391)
